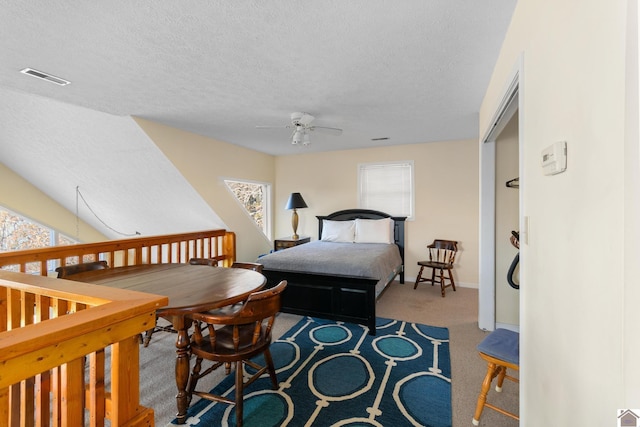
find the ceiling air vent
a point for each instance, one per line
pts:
(45, 76)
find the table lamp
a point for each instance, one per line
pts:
(295, 202)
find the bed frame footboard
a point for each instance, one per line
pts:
(344, 298)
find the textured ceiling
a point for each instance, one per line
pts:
(413, 70)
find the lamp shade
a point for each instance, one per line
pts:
(296, 201)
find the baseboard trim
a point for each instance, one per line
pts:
(412, 281)
(514, 328)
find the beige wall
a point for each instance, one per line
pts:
(507, 217)
(446, 177)
(21, 197)
(574, 334)
(205, 162)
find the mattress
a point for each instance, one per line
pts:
(378, 261)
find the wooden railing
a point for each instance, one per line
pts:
(52, 330)
(59, 339)
(215, 244)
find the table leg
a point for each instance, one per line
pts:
(182, 366)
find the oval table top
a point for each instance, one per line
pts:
(190, 288)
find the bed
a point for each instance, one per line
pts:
(340, 279)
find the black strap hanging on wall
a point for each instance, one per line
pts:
(80, 196)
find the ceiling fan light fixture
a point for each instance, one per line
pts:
(298, 136)
(305, 139)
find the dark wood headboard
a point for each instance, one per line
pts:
(350, 214)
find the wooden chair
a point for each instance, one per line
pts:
(501, 350)
(442, 254)
(204, 261)
(234, 339)
(70, 270)
(248, 265)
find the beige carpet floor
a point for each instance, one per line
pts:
(458, 311)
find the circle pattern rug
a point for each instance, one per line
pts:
(336, 374)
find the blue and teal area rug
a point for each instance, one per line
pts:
(336, 374)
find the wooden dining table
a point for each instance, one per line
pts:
(190, 289)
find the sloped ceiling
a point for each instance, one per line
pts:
(412, 71)
(122, 175)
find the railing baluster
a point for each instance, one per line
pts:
(42, 399)
(4, 405)
(27, 407)
(13, 309)
(4, 317)
(96, 398)
(72, 387)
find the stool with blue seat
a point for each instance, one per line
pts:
(501, 350)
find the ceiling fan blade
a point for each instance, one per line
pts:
(275, 127)
(327, 130)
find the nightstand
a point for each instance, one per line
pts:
(288, 242)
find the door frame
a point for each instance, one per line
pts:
(510, 104)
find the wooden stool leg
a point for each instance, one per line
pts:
(433, 276)
(502, 371)
(419, 278)
(442, 284)
(482, 398)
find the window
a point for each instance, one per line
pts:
(19, 233)
(387, 187)
(255, 198)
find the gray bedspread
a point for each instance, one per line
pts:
(371, 260)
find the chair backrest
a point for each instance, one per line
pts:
(259, 310)
(70, 270)
(248, 265)
(204, 261)
(260, 305)
(443, 251)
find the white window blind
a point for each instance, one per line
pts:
(387, 187)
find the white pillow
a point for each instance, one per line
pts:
(338, 231)
(374, 230)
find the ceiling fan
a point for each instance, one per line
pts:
(301, 125)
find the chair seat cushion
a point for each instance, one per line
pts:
(502, 344)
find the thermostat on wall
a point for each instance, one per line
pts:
(554, 158)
